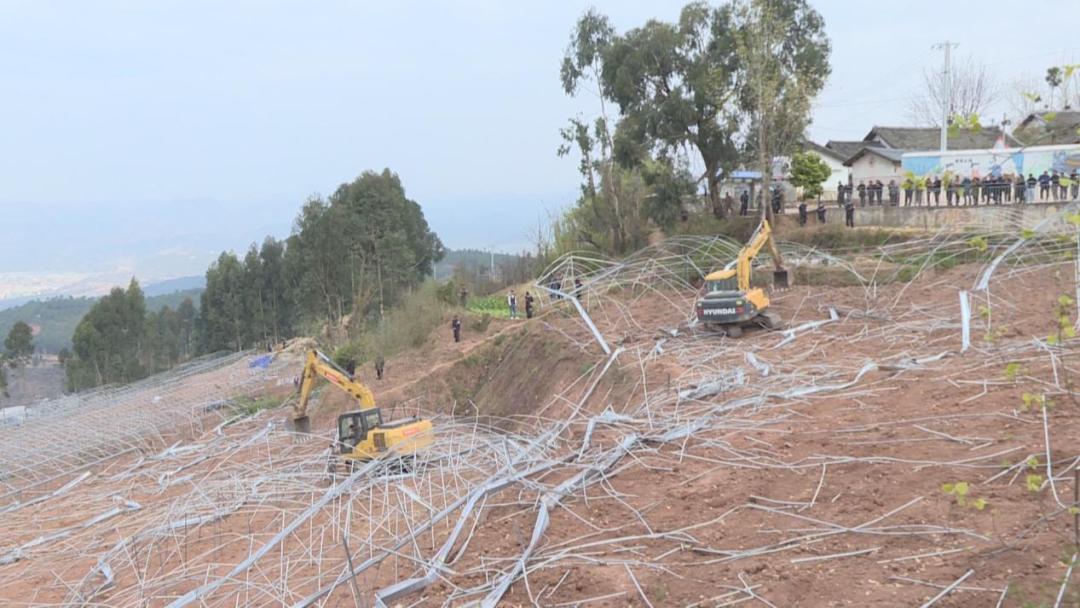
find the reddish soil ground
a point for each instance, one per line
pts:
(833, 498)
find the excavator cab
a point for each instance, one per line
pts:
(353, 428)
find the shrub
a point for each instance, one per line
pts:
(480, 324)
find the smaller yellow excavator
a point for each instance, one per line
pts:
(729, 302)
(362, 434)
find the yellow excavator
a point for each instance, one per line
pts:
(362, 435)
(729, 303)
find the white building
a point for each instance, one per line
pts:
(834, 158)
(875, 164)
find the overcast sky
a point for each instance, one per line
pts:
(151, 135)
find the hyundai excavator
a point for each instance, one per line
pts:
(729, 303)
(362, 435)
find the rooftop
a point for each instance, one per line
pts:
(1049, 128)
(915, 139)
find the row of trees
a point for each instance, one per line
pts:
(731, 85)
(120, 341)
(18, 348)
(349, 258)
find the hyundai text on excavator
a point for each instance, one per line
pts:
(729, 302)
(362, 435)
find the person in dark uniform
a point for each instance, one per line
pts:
(555, 286)
(455, 325)
(937, 192)
(820, 212)
(350, 366)
(802, 213)
(380, 366)
(862, 195)
(529, 305)
(1044, 186)
(744, 202)
(849, 214)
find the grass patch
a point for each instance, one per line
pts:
(493, 305)
(480, 324)
(406, 326)
(245, 407)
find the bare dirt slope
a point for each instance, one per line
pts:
(798, 468)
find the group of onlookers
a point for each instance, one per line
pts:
(995, 189)
(956, 191)
(872, 192)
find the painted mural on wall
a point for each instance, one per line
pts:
(1005, 161)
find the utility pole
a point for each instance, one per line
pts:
(946, 93)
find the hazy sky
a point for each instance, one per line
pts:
(151, 135)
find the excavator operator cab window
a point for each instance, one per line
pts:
(372, 420)
(723, 285)
(348, 427)
(353, 428)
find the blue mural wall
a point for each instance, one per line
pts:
(982, 163)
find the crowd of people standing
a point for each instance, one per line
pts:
(993, 189)
(870, 192)
(932, 191)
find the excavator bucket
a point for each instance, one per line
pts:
(302, 424)
(780, 279)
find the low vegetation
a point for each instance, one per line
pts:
(406, 326)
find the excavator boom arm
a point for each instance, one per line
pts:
(762, 237)
(319, 365)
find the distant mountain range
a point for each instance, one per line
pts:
(161, 288)
(20, 288)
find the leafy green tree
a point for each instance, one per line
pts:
(729, 82)
(222, 305)
(275, 289)
(783, 55)
(254, 299)
(317, 261)
(809, 171)
(110, 340)
(186, 316)
(352, 254)
(675, 85)
(1054, 78)
(19, 342)
(616, 202)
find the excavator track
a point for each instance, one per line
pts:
(770, 320)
